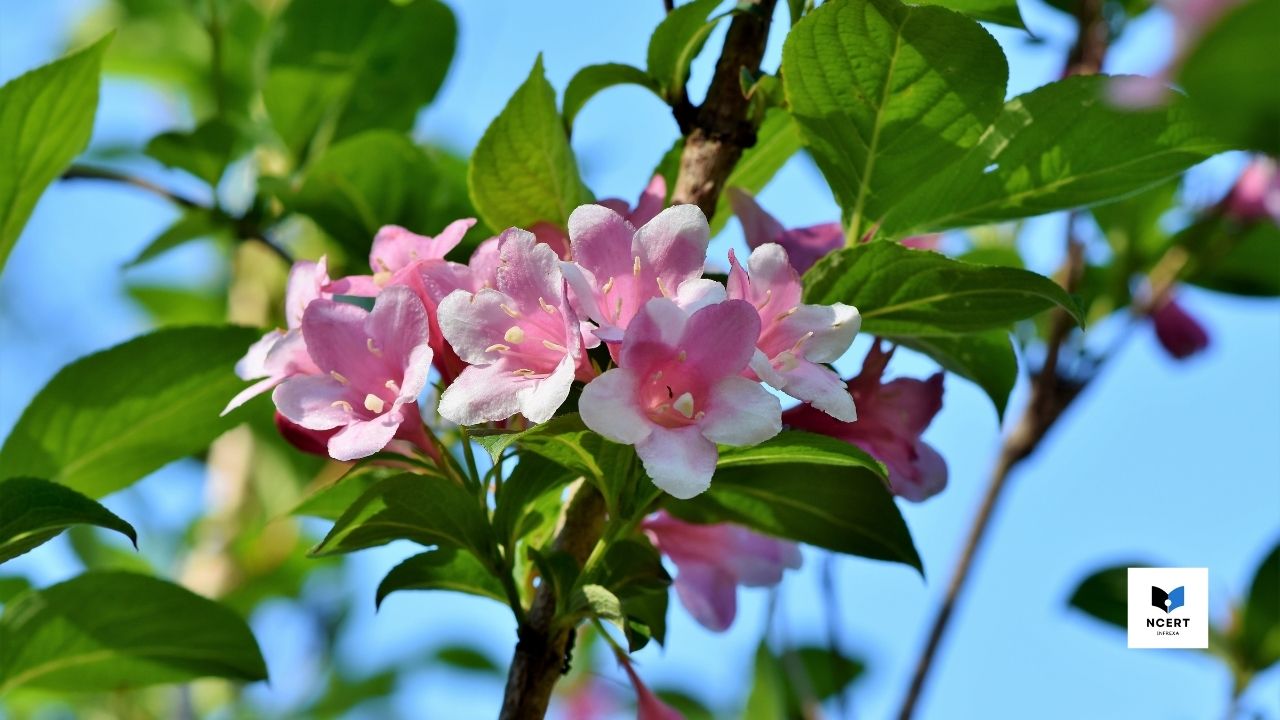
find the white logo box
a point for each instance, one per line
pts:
(1182, 627)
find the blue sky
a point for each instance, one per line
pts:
(1175, 462)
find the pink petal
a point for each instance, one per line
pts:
(648, 706)
(316, 402)
(306, 283)
(608, 406)
(674, 244)
(254, 363)
(553, 237)
(482, 394)
(709, 594)
(928, 476)
(398, 328)
(759, 560)
(1180, 333)
(693, 295)
(907, 405)
(363, 438)
(652, 335)
(540, 399)
(529, 272)
(822, 388)
(250, 393)
(474, 323)
(720, 339)
(336, 338)
(484, 264)
(678, 460)
(741, 412)
(651, 201)
(758, 225)
(601, 241)
(358, 285)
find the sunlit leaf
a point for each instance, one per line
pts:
(34, 511)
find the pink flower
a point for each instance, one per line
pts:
(1256, 194)
(588, 699)
(484, 264)
(795, 338)
(522, 339)
(678, 390)
(618, 268)
(1180, 333)
(374, 363)
(891, 418)
(648, 706)
(1191, 19)
(713, 560)
(651, 202)
(805, 246)
(281, 354)
(312, 442)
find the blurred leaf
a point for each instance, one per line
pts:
(1240, 260)
(1230, 77)
(1259, 636)
(768, 700)
(676, 42)
(60, 99)
(427, 509)
(97, 550)
(776, 142)
(594, 78)
(599, 602)
(466, 658)
(632, 570)
(523, 170)
(1057, 147)
(204, 152)
(108, 419)
(828, 672)
(1000, 12)
(684, 703)
(341, 68)
(11, 586)
(374, 179)
(330, 501)
(529, 498)
(34, 511)
(887, 94)
(193, 224)
(986, 358)
(610, 466)
(905, 293)
(105, 631)
(1104, 594)
(809, 488)
(175, 306)
(445, 568)
(341, 695)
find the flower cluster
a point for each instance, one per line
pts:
(682, 360)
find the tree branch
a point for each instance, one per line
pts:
(542, 651)
(718, 131)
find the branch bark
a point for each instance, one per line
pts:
(718, 131)
(542, 652)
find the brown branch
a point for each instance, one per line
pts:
(719, 130)
(82, 172)
(541, 654)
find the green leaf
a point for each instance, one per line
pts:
(342, 68)
(1259, 637)
(986, 358)
(1104, 594)
(46, 117)
(776, 142)
(810, 488)
(34, 511)
(905, 292)
(108, 419)
(204, 152)
(1000, 12)
(597, 601)
(106, 631)
(887, 94)
(171, 306)
(1057, 147)
(767, 700)
(193, 224)
(330, 501)
(1226, 74)
(594, 78)
(610, 466)
(11, 587)
(427, 509)
(632, 570)
(466, 658)
(445, 568)
(676, 42)
(379, 178)
(1249, 265)
(530, 498)
(523, 171)
(828, 672)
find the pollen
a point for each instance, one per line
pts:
(373, 403)
(368, 343)
(497, 347)
(522, 372)
(339, 377)
(768, 297)
(684, 405)
(514, 335)
(803, 338)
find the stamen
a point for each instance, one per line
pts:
(508, 310)
(662, 288)
(700, 414)
(341, 404)
(497, 347)
(607, 286)
(545, 307)
(373, 403)
(522, 371)
(342, 379)
(382, 278)
(515, 334)
(617, 312)
(368, 343)
(768, 296)
(684, 405)
(796, 348)
(656, 376)
(382, 265)
(635, 267)
(553, 346)
(784, 315)
(682, 356)
(392, 386)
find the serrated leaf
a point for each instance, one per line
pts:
(427, 509)
(523, 171)
(34, 511)
(60, 99)
(905, 292)
(887, 94)
(676, 42)
(1104, 594)
(594, 78)
(1057, 147)
(444, 568)
(341, 68)
(106, 631)
(1000, 12)
(986, 358)
(108, 419)
(809, 488)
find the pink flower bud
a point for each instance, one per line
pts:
(1256, 194)
(1180, 333)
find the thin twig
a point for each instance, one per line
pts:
(83, 172)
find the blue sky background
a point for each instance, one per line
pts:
(1175, 462)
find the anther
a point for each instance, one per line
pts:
(515, 334)
(368, 343)
(373, 403)
(342, 379)
(497, 347)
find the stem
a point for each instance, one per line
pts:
(718, 131)
(541, 654)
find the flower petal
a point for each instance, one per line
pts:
(397, 326)
(363, 438)
(306, 283)
(601, 241)
(528, 271)
(693, 295)
(720, 339)
(608, 406)
(652, 335)
(741, 412)
(679, 460)
(674, 244)
(474, 323)
(316, 402)
(822, 388)
(482, 394)
(709, 594)
(540, 399)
